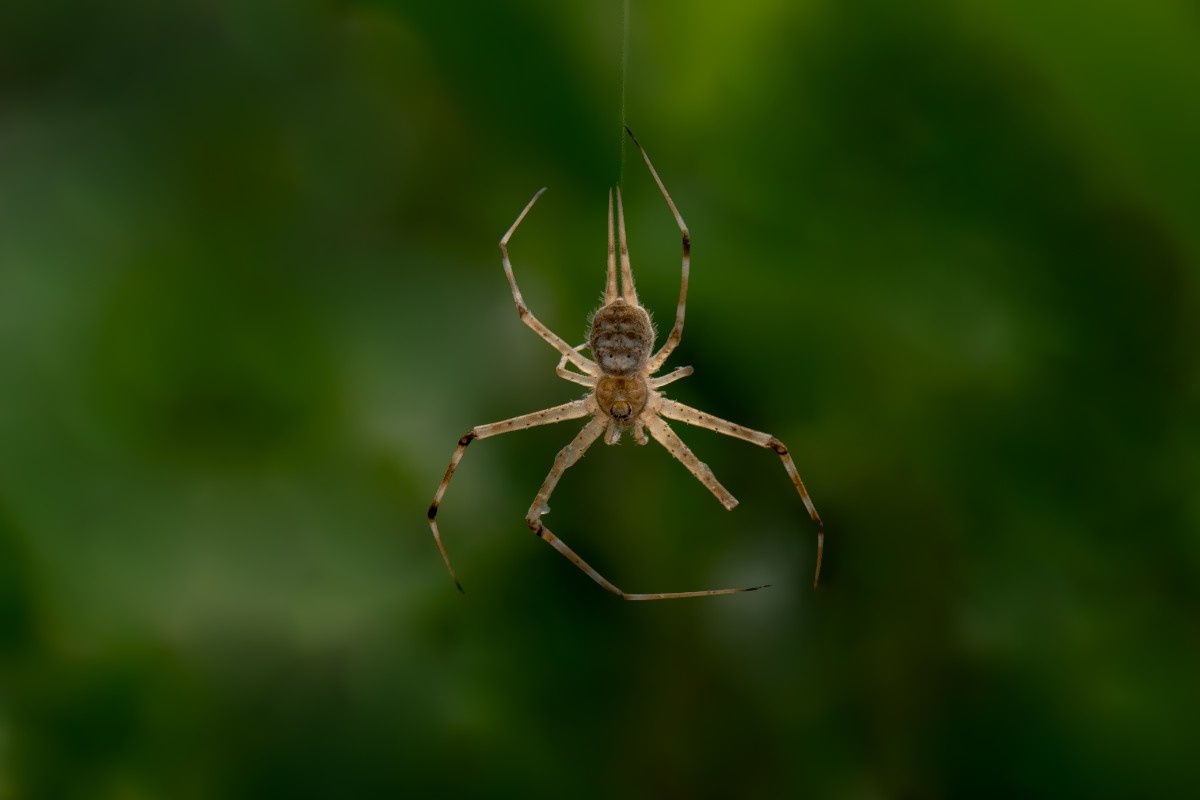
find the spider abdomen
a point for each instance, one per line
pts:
(621, 338)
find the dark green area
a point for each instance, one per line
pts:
(250, 296)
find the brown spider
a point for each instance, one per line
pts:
(623, 396)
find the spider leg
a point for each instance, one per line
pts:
(670, 377)
(663, 434)
(610, 286)
(566, 458)
(629, 293)
(573, 410)
(678, 411)
(553, 339)
(574, 377)
(676, 334)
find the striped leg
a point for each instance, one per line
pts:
(523, 311)
(548, 416)
(676, 334)
(678, 411)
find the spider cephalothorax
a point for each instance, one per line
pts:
(624, 394)
(622, 398)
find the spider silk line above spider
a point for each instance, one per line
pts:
(623, 395)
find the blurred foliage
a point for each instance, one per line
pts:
(250, 295)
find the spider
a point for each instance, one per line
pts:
(623, 395)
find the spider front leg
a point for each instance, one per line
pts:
(676, 333)
(678, 411)
(553, 339)
(548, 416)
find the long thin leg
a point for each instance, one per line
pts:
(566, 458)
(629, 292)
(676, 334)
(678, 411)
(663, 434)
(523, 311)
(610, 287)
(573, 410)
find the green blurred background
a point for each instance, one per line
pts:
(250, 296)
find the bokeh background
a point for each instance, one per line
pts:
(250, 296)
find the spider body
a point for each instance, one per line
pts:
(623, 395)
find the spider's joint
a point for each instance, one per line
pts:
(534, 517)
(467, 438)
(777, 446)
